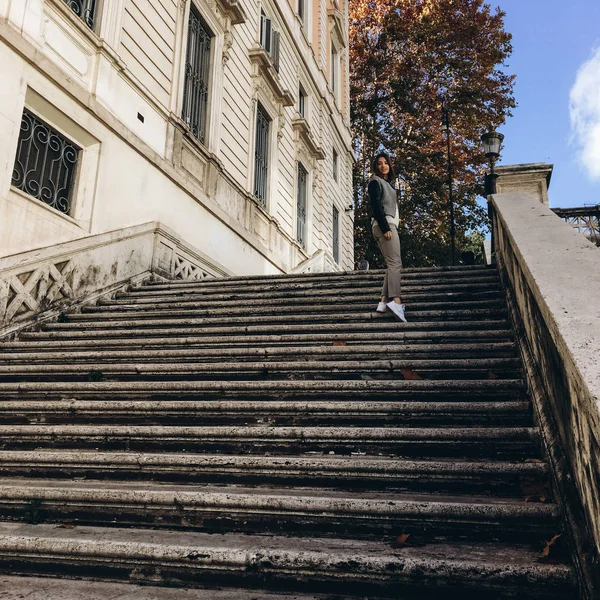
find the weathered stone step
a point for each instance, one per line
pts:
(458, 476)
(288, 413)
(291, 340)
(505, 442)
(365, 567)
(316, 294)
(14, 587)
(335, 286)
(472, 368)
(181, 355)
(119, 320)
(299, 511)
(422, 308)
(351, 276)
(498, 389)
(374, 329)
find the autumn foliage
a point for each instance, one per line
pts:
(405, 55)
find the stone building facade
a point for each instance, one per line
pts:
(225, 120)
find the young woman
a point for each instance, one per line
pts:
(384, 223)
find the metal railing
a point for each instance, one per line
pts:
(584, 219)
(45, 163)
(84, 9)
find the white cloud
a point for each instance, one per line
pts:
(584, 107)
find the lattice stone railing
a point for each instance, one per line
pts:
(584, 219)
(39, 284)
(319, 262)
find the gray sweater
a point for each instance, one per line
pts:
(382, 200)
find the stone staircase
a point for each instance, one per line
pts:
(273, 437)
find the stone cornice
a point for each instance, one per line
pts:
(302, 129)
(234, 10)
(260, 57)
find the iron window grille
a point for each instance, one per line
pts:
(261, 155)
(335, 165)
(301, 205)
(336, 234)
(84, 9)
(301, 10)
(334, 69)
(45, 163)
(270, 39)
(197, 73)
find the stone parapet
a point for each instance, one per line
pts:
(531, 177)
(39, 284)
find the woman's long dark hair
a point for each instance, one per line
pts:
(391, 175)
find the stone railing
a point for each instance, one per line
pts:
(550, 273)
(39, 284)
(583, 219)
(319, 262)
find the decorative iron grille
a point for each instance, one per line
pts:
(584, 219)
(261, 155)
(335, 165)
(336, 235)
(197, 73)
(301, 205)
(45, 163)
(84, 9)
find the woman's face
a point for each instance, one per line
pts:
(383, 167)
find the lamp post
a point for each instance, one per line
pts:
(492, 144)
(446, 126)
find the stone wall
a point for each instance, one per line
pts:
(551, 273)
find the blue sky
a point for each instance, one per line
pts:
(556, 57)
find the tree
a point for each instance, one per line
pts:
(405, 56)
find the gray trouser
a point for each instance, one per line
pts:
(391, 253)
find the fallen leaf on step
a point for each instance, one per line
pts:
(410, 375)
(533, 460)
(66, 526)
(492, 375)
(401, 541)
(536, 492)
(340, 344)
(551, 550)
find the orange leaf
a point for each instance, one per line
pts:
(401, 541)
(547, 548)
(340, 344)
(410, 375)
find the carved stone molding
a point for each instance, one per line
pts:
(262, 62)
(303, 133)
(233, 9)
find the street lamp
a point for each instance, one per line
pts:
(492, 144)
(446, 127)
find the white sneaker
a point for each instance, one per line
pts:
(381, 307)
(397, 309)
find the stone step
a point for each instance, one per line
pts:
(353, 472)
(472, 368)
(475, 442)
(496, 390)
(365, 567)
(401, 336)
(14, 587)
(421, 309)
(280, 413)
(336, 287)
(94, 321)
(181, 355)
(198, 327)
(351, 276)
(315, 294)
(305, 511)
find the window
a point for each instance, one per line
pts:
(45, 163)
(335, 165)
(301, 205)
(302, 102)
(334, 69)
(336, 234)
(301, 9)
(261, 155)
(84, 9)
(269, 39)
(197, 69)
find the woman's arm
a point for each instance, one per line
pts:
(375, 201)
